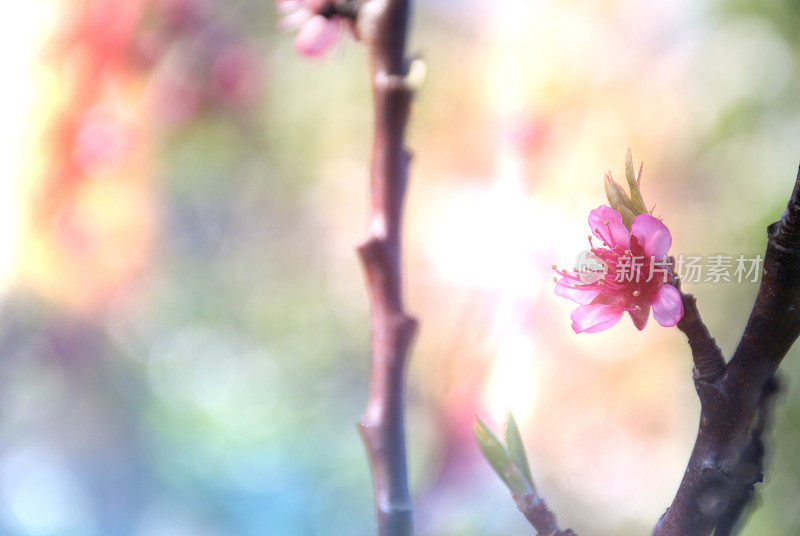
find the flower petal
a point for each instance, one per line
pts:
(583, 294)
(594, 318)
(640, 315)
(653, 235)
(668, 306)
(287, 7)
(317, 36)
(294, 20)
(606, 224)
(317, 5)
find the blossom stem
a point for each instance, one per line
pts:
(347, 9)
(709, 362)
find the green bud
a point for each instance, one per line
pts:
(517, 448)
(637, 202)
(627, 216)
(616, 195)
(493, 449)
(499, 457)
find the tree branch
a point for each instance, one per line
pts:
(726, 460)
(751, 465)
(383, 25)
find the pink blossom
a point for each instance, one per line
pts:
(236, 75)
(631, 276)
(317, 31)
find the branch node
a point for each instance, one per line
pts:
(393, 83)
(372, 250)
(786, 231)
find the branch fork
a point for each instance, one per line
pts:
(727, 460)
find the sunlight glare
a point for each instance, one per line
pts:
(20, 40)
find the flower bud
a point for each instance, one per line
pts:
(615, 194)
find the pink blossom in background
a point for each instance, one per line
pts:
(176, 95)
(316, 33)
(635, 278)
(102, 140)
(236, 76)
(528, 134)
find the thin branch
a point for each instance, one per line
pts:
(539, 515)
(392, 330)
(720, 475)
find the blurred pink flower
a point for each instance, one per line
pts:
(527, 134)
(102, 140)
(236, 75)
(629, 273)
(317, 31)
(176, 95)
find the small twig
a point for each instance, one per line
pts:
(392, 330)
(709, 363)
(539, 515)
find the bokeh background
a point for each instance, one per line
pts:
(183, 325)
